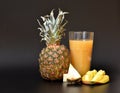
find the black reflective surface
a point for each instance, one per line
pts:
(28, 80)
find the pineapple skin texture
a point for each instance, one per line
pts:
(54, 61)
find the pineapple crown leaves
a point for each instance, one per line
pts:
(52, 29)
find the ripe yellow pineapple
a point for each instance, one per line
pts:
(54, 59)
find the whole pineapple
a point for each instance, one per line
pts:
(54, 59)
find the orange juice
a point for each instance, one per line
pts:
(81, 51)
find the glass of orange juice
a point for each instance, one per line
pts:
(81, 44)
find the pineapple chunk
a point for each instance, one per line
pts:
(72, 74)
(90, 74)
(99, 75)
(105, 79)
(94, 72)
(65, 76)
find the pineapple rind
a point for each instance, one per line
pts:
(54, 62)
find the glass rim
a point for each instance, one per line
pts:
(81, 35)
(81, 32)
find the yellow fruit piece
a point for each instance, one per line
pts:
(83, 78)
(89, 75)
(94, 72)
(105, 79)
(99, 75)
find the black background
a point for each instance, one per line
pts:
(20, 42)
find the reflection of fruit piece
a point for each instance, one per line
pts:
(105, 79)
(72, 75)
(99, 75)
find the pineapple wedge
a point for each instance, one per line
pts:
(72, 74)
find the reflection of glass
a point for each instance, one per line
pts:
(81, 49)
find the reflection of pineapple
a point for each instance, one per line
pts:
(54, 59)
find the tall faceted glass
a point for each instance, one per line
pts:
(81, 45)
